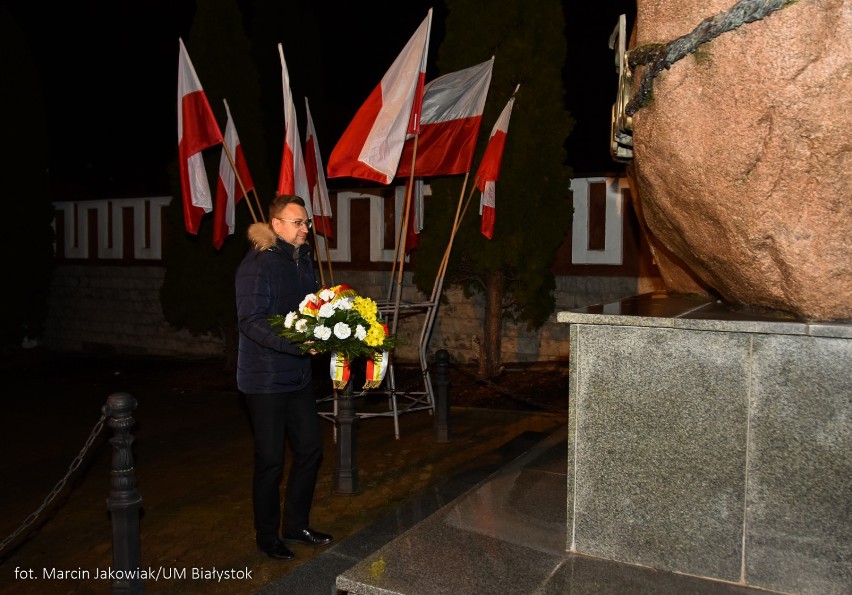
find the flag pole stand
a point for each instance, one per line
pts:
(405, 401)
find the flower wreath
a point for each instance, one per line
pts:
(338, 320)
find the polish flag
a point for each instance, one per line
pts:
(452, 113)
(372, 144)
(316, 180)
(489, 168)
(197, 130)
(229, 191)
(292, 179)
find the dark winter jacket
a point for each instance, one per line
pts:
(271, 279)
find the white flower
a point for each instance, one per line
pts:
(301, 325)
(342, 330)
(288, 320)
(326, 310)
(326, 295)
(322, 332)
(360, 332)
(344, 303)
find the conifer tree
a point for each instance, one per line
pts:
(513, 271)
(198, 290)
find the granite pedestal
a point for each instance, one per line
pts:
(712, 443)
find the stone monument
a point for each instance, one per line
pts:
(709, 434)
(743, 155)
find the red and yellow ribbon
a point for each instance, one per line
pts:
(376, 368)
(339, 369)
(311, 308)
(343, 290)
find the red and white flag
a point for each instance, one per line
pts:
(372, 144)
(197, 130)
(229, 190)
(317, 188)
(489, 168)
(292, 179)
(449, 124)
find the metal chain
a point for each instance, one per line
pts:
(75, 464)
(658, 57)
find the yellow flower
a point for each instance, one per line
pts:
(375, 335)
(366, 308)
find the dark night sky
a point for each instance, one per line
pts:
(109, 72)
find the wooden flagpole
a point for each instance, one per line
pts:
(403, 231)
(259, 206)
(442, 269)
(395, 258)
(319, 258)
(234, 169)
(239, 180)
(438, 287)
(402, 235)
(325, 244)
(457, 223)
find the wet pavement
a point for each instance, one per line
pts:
(193, 468)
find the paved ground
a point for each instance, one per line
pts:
(193, 460)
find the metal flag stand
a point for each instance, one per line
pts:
(393, 308)
(422, 399)
(413, 398)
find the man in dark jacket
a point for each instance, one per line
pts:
(273, 278)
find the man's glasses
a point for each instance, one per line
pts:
(297, 223)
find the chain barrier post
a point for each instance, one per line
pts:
(124, 500)
(442, 397)
(346, 420)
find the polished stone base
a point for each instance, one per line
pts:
(507, 535)
(712, 443)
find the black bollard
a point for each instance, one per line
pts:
(346, 470)
(442, 397)
(124, 500)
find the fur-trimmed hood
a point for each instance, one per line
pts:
(261, 236)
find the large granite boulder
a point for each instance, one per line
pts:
(743, 157)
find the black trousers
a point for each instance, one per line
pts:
(278, 418)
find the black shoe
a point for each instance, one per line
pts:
(277, 550)
(308, 537)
